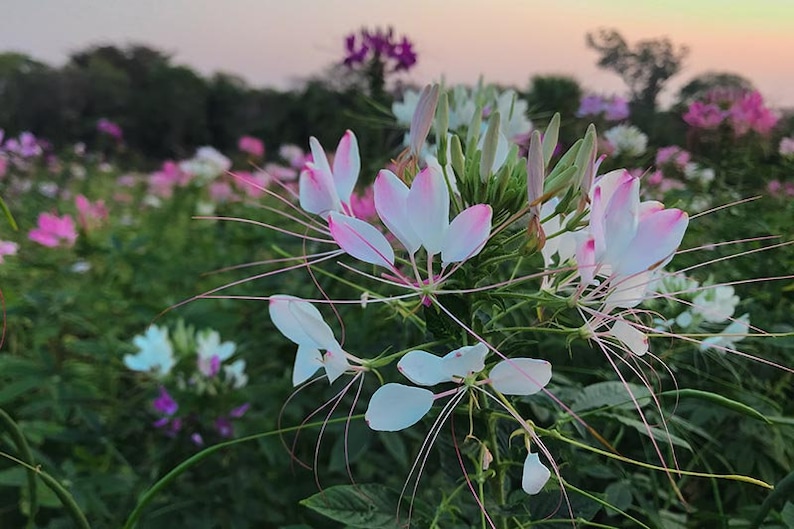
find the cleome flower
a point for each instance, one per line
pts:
(394, 407)
(302, 323)
(155, 352)
(418, 217)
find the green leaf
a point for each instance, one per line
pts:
(725, 402)
(618, 494)
(368, 506)
(611, 395)
(657, 433)
(787, 515)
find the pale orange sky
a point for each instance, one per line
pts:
(276, 42)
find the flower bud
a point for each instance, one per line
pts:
(423, 118)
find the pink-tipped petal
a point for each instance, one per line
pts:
(391, 197)
(658, 236)
(347, 165)
(307, 362)
(394, 407)
(467, 234)
(535, 474)
(316, 191)
(423, 368)
(428, 208)
(361, 240)
(586, 260)
(630, 336)
(319, 159)
(520, 376)
(620, 219)
(465, 361)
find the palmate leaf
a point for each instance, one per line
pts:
(368, 506)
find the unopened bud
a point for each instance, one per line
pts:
(535, 173)
(423, 118)
(490, 144)
(550, 138)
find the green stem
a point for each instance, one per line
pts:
(150, 494)
(24, 450)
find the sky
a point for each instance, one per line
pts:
(280, 42)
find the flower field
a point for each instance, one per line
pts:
(448, 306)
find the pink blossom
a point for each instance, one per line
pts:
(363, 205)
(786, 148)
(704, 115)
(53, 230)
(617, 109)
(89, 215)
(672, 154)
(252, 184)
(750, 113)
(774, 187)
(162, 182)
(127, 180)
(294, 156)
(7, 248)
(251, 146)
(221, 191)
(110, 128)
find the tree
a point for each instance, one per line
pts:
(702, 84)
(645, 68)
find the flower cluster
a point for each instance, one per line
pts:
(110, 129)
(626, 140)
(431, 229)
(195, 379)
(379, 46)
(741, 111)
(612, 108)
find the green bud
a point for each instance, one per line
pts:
(550, 138)
(456, 152)
(489, 146)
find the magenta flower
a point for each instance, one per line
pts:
(379, 46)
(162, 182)
(7, 248)
(251, 146)
(590, 105)
(704, 115)
(616, 109)
(110, 128)
(54, 231)
(164, 403)
(252, 184)
(750, 113)
(90, 215)
(363, 205)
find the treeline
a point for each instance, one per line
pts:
(165, 109)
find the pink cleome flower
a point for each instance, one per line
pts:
(7, 248)
(251, 146)
(53, 231)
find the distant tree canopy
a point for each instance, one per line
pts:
(700, 85)
(645, 68)
(165, 110)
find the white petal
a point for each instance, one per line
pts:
(520, 376)
(423, 368)
(465, 361)
(301, 322)
(630, 336)
(394, 407)
(307, 362)
(535, 474)
(335, 362)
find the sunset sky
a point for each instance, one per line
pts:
(279, 42)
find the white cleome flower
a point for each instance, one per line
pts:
(715, 305)
(155, 352)
(627, 139)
